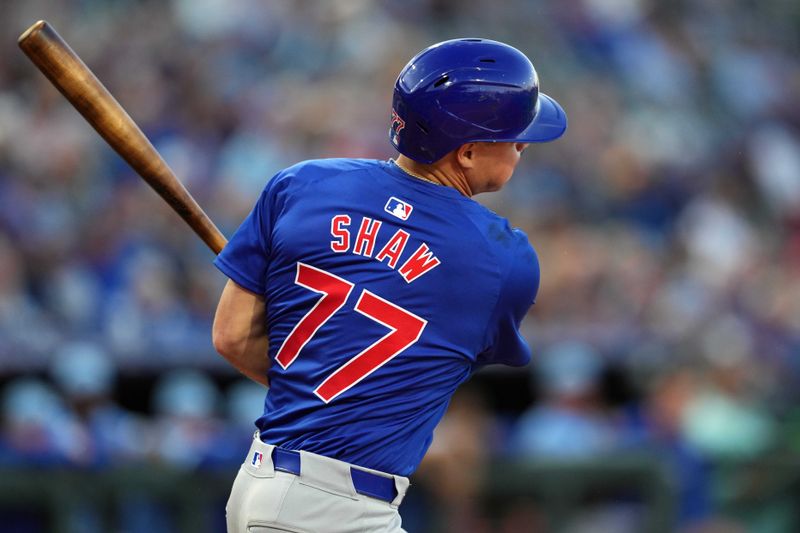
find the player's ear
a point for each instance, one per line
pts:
(465, 155)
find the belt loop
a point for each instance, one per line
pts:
(401, 484)
(259, 459)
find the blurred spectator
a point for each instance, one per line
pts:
(455, 465)
(244, 403)
(725, 418)
(571, 421)
(110, 434)
(29, 432)
(187, 424)
(688, 469)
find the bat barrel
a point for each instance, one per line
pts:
(65, 70)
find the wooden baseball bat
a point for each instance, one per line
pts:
(62, 66)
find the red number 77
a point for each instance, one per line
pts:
(405, 329)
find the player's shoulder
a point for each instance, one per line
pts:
(497, 230)
(299, 176)
(320, 168)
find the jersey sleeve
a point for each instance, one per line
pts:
(517, 294)
(246, 256)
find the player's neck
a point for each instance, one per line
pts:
(442, 172)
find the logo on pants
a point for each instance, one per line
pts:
(258, 458)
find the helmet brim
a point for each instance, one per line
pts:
(550, 123)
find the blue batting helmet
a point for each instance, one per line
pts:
(469, 90)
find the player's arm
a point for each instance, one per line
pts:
(240, 331)
(506, 344)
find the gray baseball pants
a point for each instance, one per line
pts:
(322, 499)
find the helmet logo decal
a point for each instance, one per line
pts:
(397, 125)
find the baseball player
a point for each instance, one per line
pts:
(364, 292)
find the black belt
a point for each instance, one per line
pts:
(366, 483)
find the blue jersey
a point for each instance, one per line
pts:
(384, 293)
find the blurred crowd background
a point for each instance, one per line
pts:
(667, 223)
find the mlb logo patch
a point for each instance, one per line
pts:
(398, 208)
(258, 458)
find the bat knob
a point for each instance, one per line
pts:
(36, 27)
